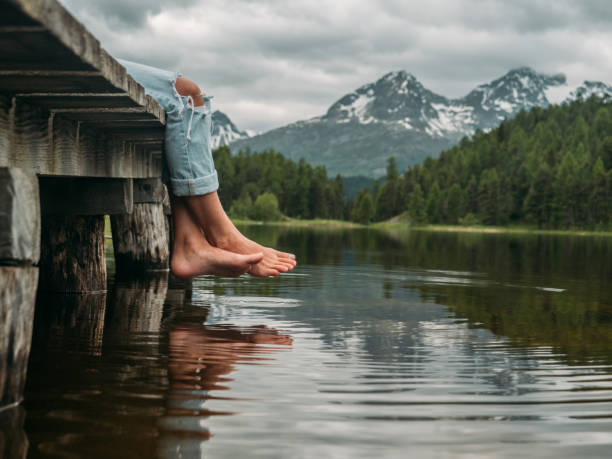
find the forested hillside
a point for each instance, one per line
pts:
(546, 167)
(259, 185)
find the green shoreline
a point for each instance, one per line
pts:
(335, 224)
(402, 226)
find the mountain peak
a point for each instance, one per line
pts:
(225, 131)
(525, 73)
(398, 75)
(588, 89)
(396, 115)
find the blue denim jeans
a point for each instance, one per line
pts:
(187, 153)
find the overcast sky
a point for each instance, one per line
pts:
(271, 62)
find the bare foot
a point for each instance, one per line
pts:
(208, 212)
(273, 263)
(195, 258)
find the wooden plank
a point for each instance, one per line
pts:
(75, 37)
(24, 81)
(13, 16)
(17, 298)
(33, 138)
(78, 100)
(141, 240)
(21, 48)
(85, 196)
(72, 254)
(19, 217)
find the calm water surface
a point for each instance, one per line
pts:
(378, 345)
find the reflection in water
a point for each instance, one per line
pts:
(136, 305)
(13, 439)
(200, 359)
(442, 345)
(69, 319)
(131, 378)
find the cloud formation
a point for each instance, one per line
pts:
(271, 62)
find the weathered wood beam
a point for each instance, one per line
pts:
(94, 115)
(32, 137)
(85, 196)
(72, 254)
(57, 80)
(21, 48)
(78, 100)
(17, 299)
(141, 240)
(19, 217)
(19, 253)
(73, 36)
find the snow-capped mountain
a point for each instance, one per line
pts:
(588, 89)
(224, 131)
(398, 116)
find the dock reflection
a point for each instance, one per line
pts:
(128, 371)
(13, 439)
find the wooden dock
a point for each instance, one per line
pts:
(79, 139)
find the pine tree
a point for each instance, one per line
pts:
(434, 203)
(364, 208)
(488, 197)
(416, 205)
(539, 200)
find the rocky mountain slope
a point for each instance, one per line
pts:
(398, 116)
(224, 131)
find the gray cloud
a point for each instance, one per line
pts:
(124, 13)
(270, 62)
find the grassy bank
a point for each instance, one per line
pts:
(316, 223)
(489, 229)
(396, 224)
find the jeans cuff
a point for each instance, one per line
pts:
(196, 186)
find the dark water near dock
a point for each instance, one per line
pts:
(378, 345)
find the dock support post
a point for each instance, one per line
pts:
(141, 238)
(72, 258)
(19, 254)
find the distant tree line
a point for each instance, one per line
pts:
(546, 167)
(261, 186)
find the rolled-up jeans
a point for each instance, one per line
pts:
(190, 169)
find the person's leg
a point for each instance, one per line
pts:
(193, 179)
(208, 213)
(192, 255)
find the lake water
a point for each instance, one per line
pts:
(378, 344)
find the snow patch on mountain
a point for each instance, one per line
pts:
(397, 116)
(224, 131)
(588, 89)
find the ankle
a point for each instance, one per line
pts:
(222, 238)
(189, 245)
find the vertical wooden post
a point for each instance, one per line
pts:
(19, 253)
(72, 257)
(141, 238)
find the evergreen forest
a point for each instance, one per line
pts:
(549, 167)
(262, 186)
